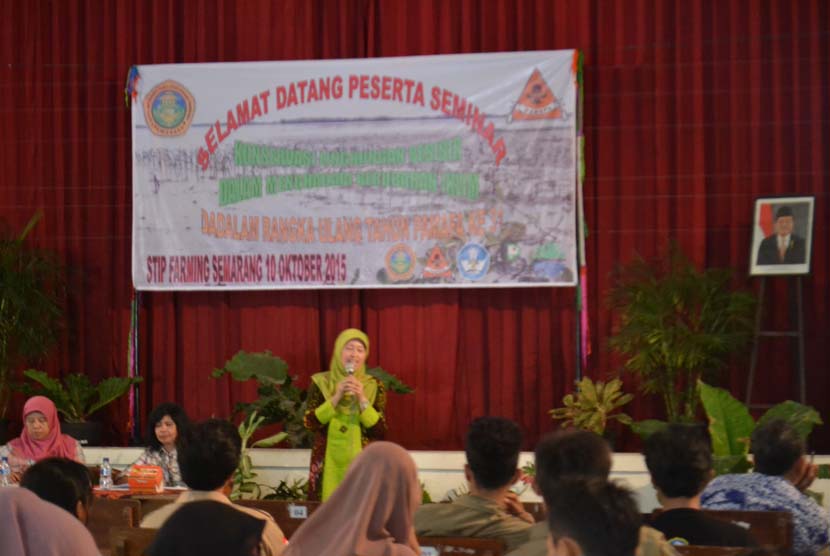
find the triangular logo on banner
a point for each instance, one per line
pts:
(437, 265)
(537, 101)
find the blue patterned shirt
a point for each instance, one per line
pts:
(759, 492)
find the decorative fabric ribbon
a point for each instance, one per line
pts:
(130, 91)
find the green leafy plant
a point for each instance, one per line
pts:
(731, 426)
(389, 381)
(76, 398)
(279, 400)
(285, 490)
(425, 497)
(677, 325)
(32, 283)
(244, 478)
(593, 405)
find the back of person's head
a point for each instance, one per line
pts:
(31, 526)
(62, 482)
(209, 454)
(492, 448)
(600, 517)
(679, 459)
(571, 453)
(175, 412)
(208, 528)
(776, 447)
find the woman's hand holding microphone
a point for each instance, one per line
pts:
(349, 386)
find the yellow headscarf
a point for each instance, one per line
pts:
(327, 381)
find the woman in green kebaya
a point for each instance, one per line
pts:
(345, 410)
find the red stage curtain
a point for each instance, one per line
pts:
(692, 110)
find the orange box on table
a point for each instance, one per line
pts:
(146, 479)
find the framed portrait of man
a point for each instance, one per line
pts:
(782, 236)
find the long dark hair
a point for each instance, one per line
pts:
(176, 413)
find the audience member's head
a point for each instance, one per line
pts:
(777, 447)
(209, 454)
(62, 482)
(592, 516)
(370, 513)
(208, 528)
(34, 526)
(571, 453)
(679, 459)
(492, 448)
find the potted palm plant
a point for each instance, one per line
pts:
(678, 325)
(731, 426)
(31, 314)
(77, 398)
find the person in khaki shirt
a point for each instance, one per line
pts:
(651, 542)
(490, 510)
(207, 459)
(579, 454)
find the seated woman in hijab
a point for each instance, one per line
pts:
(35, 527)
(372, 511)
(345, 411)
(41, 438)
(208, 528)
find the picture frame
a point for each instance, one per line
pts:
(782, 236)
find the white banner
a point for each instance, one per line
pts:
(430, 171)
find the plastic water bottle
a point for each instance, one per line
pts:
(5, 472)
(105, 479)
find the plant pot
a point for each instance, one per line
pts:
(5, 435)
(610, 436)
(87, 433)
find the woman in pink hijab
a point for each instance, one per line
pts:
(41, 437)
(370, 513)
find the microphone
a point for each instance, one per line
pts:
(349, 372)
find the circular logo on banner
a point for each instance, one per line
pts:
(473, 261)
(400, 262)
(168, 109)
